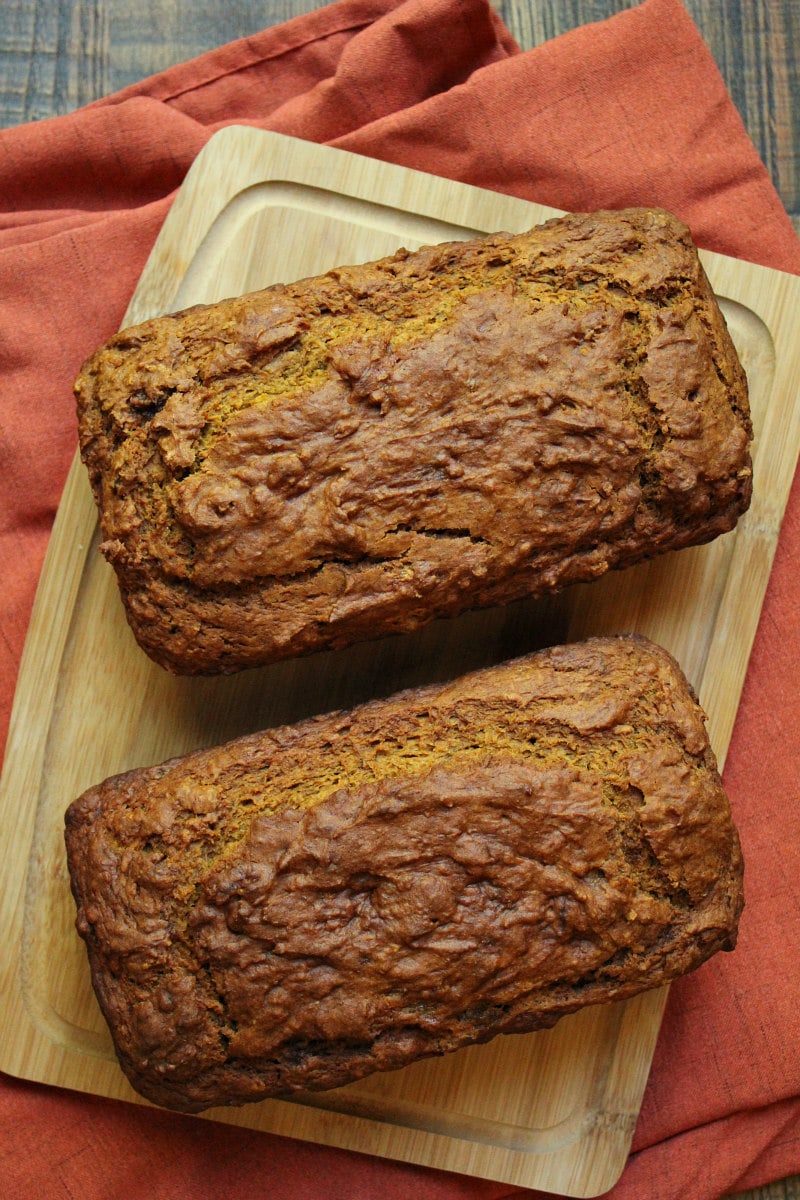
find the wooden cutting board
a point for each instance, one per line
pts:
(552, 1110)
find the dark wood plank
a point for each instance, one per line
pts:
(151, 35)
(784, 1189)
(54, 57)
(754, 43)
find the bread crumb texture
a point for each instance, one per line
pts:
(302, 907)
(355, 454)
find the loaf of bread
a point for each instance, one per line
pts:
(299, 908)
(353, 455)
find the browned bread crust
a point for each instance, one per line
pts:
(305, 906)
(353, 455)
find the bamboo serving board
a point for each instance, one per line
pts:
(552, 1110)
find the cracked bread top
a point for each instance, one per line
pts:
(358, 453)
(301, 907)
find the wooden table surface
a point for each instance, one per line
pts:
(58, 54)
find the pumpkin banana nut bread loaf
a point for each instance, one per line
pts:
(300, 908)
(353, 455)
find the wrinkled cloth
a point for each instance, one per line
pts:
(631, 110)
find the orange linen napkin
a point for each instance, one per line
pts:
(629, 111)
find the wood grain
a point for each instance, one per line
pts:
(53, 58)
(58, 54)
